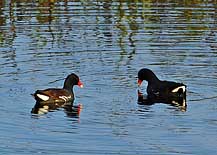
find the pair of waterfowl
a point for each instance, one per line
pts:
(155, 89)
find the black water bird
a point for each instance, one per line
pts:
(161, 89)
(59, 95)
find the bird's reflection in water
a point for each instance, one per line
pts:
(70, 109)
(180, 102)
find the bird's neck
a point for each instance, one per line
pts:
(153, 79)
(68, 86)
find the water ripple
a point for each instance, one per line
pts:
(106, 43)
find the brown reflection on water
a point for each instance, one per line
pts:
(2, 18)
(133, 25)
(196, 13)
(46, 10)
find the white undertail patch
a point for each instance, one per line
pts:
(177, 89)
(43, 97)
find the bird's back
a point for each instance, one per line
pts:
(166, 89)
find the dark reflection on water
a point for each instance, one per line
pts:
(179, 102)
(106, 43)
(69, 109)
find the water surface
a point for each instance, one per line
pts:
(106, 43)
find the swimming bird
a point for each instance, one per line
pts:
(59, 95)
(158, 88)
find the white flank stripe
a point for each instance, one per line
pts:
(43, 97)
(177, 89)
(62, 97)
(65, 98)
(174, 102)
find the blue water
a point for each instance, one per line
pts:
(106, 43)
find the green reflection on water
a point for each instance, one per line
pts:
(43, 19)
